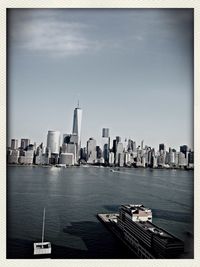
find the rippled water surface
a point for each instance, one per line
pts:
(73, 197)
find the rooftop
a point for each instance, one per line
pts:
(136, 207)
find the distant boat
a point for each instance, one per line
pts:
(42, 248)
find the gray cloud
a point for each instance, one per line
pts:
(73, 32)
(48, 34)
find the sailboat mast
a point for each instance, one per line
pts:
(43, 226)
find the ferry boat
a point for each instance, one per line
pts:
(42, 248)
(133, 226)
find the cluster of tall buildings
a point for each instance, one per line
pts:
(67, 151)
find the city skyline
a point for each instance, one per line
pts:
(131, 69)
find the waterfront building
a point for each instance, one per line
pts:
(149, 157)
(143, 161)
(14, 144)
(54, 159)
(184, 149)
(67, 159)
(121, 159)
(25, 142)
(119, 150)
(99, 152)
(83, 154)
(134, 147)
(155, 161)
(40, 149)
(147, 239)
(70, 145)
(191, 158)
(100, 161)
(42, 159)
(182, 162)
(27, 157)
(111, 158)
(106, 152)
(161, 160)
(130, 145)
(114, 148)
(53, 141)
(167, 158)
(171, 157)
(13, 156)
(72, 149)
(176, 158)
(91, 151)
(127, 158)
(76, 129)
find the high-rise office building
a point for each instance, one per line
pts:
(70, 138)
(14, 144)
(70, 145)
(181, 159)
(53, 141)
(24, 143)
(99, 152)
(161, 147)
(77, 123)
(134, 147)
(184, 149)
(105, 132)
(119, 151)
(142, 144)
(105, 144)
(118, 139)
(115, 142)
(91, 151)
(130, 145)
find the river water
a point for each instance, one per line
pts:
(72, 198)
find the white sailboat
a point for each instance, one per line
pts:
(42, 248)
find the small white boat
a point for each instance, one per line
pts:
(42, 248)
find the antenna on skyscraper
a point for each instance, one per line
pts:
(78, 103)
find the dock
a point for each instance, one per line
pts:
(110, 221)
(107, 217)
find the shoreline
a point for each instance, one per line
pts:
(112, 168)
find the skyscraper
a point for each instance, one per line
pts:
(25, 142)
(91, 151)
(14, 144)
(70, 145)
(105, 144)
(161, 147)
(184, 149)
(77, 123)
(53, 141)
(105, 132)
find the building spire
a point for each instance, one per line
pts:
(78, 104)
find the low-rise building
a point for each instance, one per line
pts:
(13, 157)
(67, 159)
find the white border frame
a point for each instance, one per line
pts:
(99, 4)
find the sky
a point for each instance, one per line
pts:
(130, 69)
